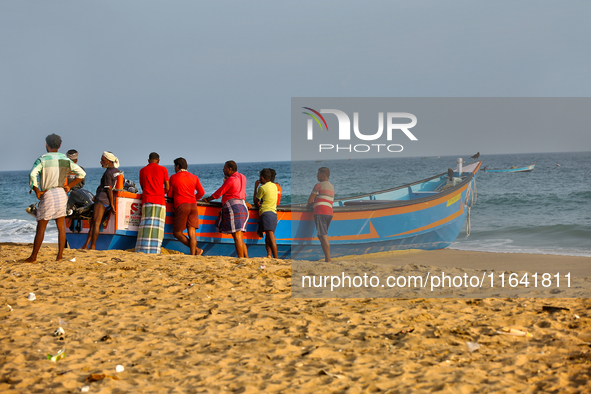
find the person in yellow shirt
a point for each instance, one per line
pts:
(265, 198)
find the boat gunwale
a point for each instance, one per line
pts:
(389, 204)
(374, 206)
(395, 203)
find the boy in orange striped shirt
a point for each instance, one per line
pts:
(321, 198)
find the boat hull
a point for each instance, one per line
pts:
(409, 217)
(436, 238)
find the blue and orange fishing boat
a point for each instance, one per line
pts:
(427, 214)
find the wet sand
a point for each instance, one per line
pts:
(218, 324)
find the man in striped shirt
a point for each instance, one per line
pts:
(53, 169)
(321, 198)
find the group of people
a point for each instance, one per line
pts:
(185, 189)
(59, 173)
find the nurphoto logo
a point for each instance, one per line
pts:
(344, 133)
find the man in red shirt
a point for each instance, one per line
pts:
(234, 214)
(183, 186)
(154, 183)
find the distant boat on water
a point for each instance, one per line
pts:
(512, 169)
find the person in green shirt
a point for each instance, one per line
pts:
(265, 198)
(51, 189)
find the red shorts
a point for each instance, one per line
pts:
(185, 215)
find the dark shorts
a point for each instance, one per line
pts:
(267, 222)
(322, 224)
(185, 215)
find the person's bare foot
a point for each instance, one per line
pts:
(30, 260)
(198, 252)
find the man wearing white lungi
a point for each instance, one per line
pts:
(53, 169)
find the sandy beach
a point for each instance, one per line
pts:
(217, 324)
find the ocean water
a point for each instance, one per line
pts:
(546, 211)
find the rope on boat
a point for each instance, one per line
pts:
(470, 200)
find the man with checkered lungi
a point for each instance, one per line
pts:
(234, 213)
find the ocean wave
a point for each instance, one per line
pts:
(557, 239)
(523, 199)
(555, 231)
(498, 246)
(23, 231)
(581, 196)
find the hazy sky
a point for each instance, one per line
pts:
(213, 81)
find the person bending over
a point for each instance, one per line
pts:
(234, 213)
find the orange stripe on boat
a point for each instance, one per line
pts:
(373, 234)
(434, 224)
(248, 235)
